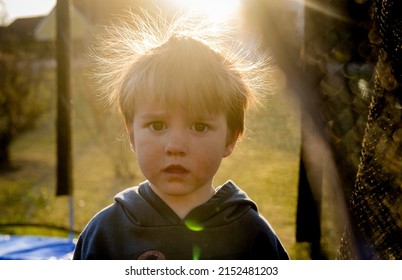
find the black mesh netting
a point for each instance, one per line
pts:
(376, 201)
(354, 52)
(349, 83)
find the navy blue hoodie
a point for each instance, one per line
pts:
(139, 225)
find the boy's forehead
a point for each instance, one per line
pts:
(157, 106)
(193, 96)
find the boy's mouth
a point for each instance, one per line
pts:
(175, 169)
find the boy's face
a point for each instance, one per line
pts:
(178, 153)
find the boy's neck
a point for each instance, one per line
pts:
(182, 205)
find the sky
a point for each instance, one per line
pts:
(27, 8)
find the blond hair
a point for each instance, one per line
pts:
(189, 63)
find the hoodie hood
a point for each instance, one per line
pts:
(226, 206)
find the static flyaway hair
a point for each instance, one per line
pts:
(188, 63)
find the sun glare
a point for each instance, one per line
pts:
(218, 9)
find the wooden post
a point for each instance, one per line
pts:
(64, 104)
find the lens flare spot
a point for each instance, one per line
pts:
(193, 225)
(196, 252)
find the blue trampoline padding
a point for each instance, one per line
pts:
(21, 247)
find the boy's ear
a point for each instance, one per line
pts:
(230, 145)
(130, 132)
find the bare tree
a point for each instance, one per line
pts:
(20, 78)
(20, 106)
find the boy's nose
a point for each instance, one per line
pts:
(176, 143)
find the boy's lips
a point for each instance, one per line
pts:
(175, 169)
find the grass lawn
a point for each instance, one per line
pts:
(264, 164)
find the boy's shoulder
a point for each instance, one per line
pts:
(137, 205)
(113, 211)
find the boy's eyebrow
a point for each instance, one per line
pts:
(153, 115)
(194, 117)
(205, 118)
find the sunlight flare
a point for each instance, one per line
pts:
(218, 9)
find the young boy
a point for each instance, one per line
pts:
(183, 101)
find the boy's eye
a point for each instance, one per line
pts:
(158, 125)
(200, 127)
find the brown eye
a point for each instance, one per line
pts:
(156, 126)
(200, 127)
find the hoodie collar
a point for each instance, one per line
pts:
(228, 203)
